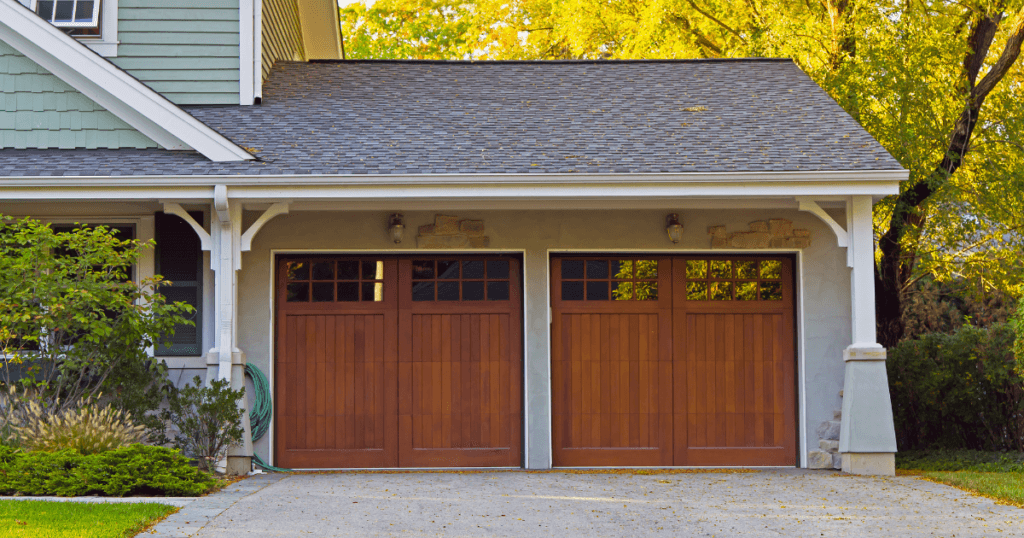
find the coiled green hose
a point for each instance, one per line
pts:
(261, 412)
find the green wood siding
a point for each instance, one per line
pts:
(282, 33)
(39, 111)
(185, 49)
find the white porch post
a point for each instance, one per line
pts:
(867, 438)
(225, 358)
(226, 242)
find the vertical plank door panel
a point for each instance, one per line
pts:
(738, 353)
(610, 353)
(334, 374)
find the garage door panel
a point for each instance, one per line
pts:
(333, 377)
(464, 344)
(460, 380)
(740, 362)
(607, 377)
(698, 371)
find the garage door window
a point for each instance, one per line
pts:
(733, 280)
(609, 280)
(329, 281)
(460, 280)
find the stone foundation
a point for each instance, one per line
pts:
(827, 456)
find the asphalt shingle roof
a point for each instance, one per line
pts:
(421, 117)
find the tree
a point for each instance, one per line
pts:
(938, 83)
(72, 324)
(405, 29)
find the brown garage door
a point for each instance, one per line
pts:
(398, 362)
(673, 361)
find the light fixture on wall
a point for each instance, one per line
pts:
(673, 227)
(396, 228)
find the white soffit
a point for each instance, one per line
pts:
(110, 87)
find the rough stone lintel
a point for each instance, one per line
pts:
(472, 228)
(446, 225)
(448, 232)
(774, 233)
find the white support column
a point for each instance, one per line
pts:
(867, 438)
(229, 360)
(226, 242)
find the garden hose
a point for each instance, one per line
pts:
(261, 412)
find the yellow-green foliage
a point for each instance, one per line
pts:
(89, 429)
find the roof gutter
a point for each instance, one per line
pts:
(758, 178)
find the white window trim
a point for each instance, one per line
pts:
(106, 43)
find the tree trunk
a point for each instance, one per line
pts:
(897, 263)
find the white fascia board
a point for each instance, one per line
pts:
(839, 183)
(113, 89)
(472, 188)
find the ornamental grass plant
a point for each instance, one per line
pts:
(90, 428)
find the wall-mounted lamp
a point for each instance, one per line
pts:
(396, 228)
(673, 227)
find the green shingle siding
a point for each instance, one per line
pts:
(39, 110)
(185, 49)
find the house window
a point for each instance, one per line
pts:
(179, 259)
(92, 22)
(77, 17)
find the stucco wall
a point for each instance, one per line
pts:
(824, 306)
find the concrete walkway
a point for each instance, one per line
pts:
(567, 504)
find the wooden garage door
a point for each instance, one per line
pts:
(398, 362)
(673, 361)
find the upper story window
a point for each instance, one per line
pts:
(92, 22)
(77, 17)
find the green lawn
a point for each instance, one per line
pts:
(88, 520)
(998, 475)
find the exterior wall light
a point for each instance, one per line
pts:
(673, 227)
(396, 228)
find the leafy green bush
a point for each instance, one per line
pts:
(132, 470)
(960, 390)
(72, 321)
(208, 418)
(88, 429)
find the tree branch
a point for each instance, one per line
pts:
(1005, 61)
(720, 23)
(895, 268)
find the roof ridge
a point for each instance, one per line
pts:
(538, 62)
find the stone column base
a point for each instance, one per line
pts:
(238, 465)
(870, 463)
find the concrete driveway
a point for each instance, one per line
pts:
(529, 504)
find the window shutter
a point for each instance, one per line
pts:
(179, 259)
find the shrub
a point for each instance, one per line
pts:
(71, 319)
(132, 470)
(961, 460)
(208, 418)
(943, 307)
(960, 390)
(89, 429)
